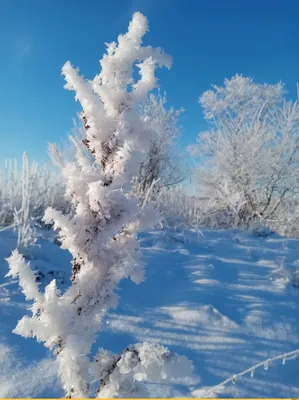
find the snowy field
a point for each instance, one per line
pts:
(223, 299)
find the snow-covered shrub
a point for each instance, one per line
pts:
(101, 232)
(286, 221)
(285, 274)
(249, 159)
(259, 229)
(295, 278)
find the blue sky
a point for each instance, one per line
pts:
(208, 39)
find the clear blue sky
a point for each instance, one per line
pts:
(208, 39)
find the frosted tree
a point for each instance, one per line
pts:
(248, 160)
(101, 232)
(162, 163)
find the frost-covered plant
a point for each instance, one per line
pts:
(249, 159)
(258, 229)
(101, 232)
(162, 164)
(124, 375)
(32, 188)
(286, 274)
(22, 222)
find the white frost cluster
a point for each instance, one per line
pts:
(101, 232)
(124, 375)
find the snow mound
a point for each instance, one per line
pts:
(200, 315)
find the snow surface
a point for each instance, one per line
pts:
(224, 300)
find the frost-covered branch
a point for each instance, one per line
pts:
(206, 392)
(19, 269)
(124, 375)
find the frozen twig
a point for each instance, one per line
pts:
(250, 371)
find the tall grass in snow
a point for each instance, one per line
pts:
(25, 192)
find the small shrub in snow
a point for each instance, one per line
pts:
(285, 274)
(258, 229)
(295, 278)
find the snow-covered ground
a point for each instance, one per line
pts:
(221, 299)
